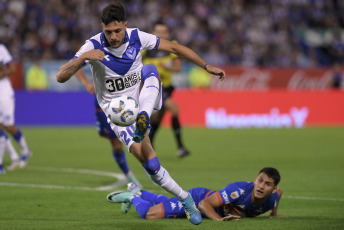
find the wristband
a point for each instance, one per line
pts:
(205, 66)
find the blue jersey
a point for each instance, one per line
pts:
(236, 199)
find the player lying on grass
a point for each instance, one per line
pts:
(237, 199)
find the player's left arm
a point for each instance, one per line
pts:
(208, 205)
(7, 70)
(175, 67)
(185, 52)
(273, 213)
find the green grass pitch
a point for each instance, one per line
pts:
(44, 196)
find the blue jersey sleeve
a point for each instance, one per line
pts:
(273, 200)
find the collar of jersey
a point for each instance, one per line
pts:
(105, 43)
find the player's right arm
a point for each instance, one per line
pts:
(67, 70)
(273, 213)
(208, 205)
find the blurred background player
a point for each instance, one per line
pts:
(7, 68)
(237, 199)
(166, 63)
(104, 130)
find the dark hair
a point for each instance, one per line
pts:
(114, 12)
(271, 173)
(160, 22)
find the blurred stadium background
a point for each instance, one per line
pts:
(264, 46)
(281, 59)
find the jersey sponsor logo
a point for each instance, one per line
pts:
(131, 52)
(234, 195)
(118, 84)
(225, 196)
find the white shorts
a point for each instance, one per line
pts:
(7, 109)
(125, 134)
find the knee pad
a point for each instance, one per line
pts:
(148, 71)
(152, 166)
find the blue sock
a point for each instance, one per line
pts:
(153, 198)
(141, 206)
(2, 133)
(152, 166)
(18, 135)
(121, 161)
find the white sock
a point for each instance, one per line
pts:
(2, 148)
(149, 94)
(24, 149)
(10, 150)
(164, 179)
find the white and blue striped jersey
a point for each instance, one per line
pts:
(6, 90)
(5, 84)
(120, 71)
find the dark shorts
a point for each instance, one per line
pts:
(173, 208)
(168, 92)
(103, 127)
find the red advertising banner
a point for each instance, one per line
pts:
(244, 78)
(259, 109)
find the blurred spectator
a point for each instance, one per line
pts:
(199, 78)
(297, 33)
(337, 76)
(36, 77)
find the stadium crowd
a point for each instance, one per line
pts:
(235, 32)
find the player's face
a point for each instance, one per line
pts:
(115, 33)
(161, 31)
(263, 186)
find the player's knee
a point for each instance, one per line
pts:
(148, 71)
(152, 166)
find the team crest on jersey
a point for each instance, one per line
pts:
(234, 195)
(131, 52)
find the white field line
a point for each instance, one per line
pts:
(120, 182)
(313, 198)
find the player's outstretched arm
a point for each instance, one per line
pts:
(67, 70)
(80, 75)
(273, 213)
(208, 205)
(185, 52)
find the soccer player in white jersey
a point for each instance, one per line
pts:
(7, 67)
(116, 63)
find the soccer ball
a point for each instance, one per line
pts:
(123, 110)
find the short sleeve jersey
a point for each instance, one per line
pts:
(120, 71)
(236, 198)
(5, 84)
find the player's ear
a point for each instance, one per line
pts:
(275, 189)
(126, 24)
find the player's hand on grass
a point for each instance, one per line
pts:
(216, 71)
(230, 218)
(95, 55)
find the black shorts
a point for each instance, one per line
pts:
(168, 92)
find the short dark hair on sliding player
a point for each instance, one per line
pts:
(114, 12)
(271, 173)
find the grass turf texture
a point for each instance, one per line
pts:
(310, 162)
